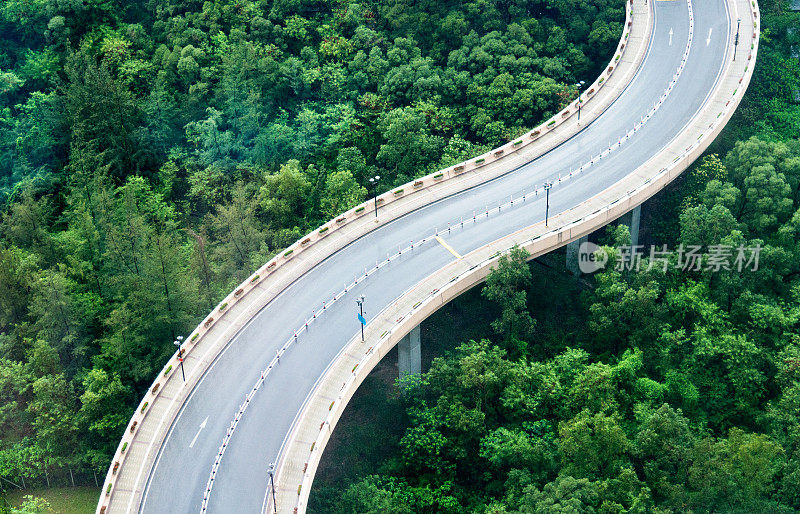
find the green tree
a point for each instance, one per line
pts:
(592, 446)
(505, 285)
(663, 449)
(103, 113)
(409, 146)
(283, 195)
(53, 408)
(564, 495)
(736, 472)
(241, 240)
(103, 414)
(341, 193)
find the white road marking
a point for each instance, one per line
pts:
(670, 36)
(202, 426)
(708, 39)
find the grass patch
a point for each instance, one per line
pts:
(63, 500)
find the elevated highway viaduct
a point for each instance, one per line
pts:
(270, 370)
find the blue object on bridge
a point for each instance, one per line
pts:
(361, 319)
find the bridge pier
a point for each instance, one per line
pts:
(573, 263)
(409, 353)
(636, 216)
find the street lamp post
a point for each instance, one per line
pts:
(178, 342)
(547, 187)
(360, 302)
(373, 183)
(271, 472)
(579, 85)
(736, 41)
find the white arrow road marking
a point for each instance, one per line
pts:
(202, 426)
(670, 36)
(708, 39)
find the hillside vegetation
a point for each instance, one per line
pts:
(153, 153)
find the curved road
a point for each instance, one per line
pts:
(182, 469)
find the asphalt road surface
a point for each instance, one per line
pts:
(181, 472)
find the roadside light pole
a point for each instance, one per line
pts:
(736, 41)
(271, 472)
(373, 185)
(547, 187)
(579, 85)
(362, 321)
(178, 342)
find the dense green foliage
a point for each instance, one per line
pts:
(210, 90)
(154, 152)
(662, 390)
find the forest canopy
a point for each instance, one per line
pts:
(153, 153)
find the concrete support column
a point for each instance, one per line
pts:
(573, 264)
(409, 353)
(636, 215)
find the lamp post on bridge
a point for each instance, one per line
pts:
(373, 184)
(579, 85)
(178, 342)
(547, 186)
(362, 321)
(736, 41)
(271, 472)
